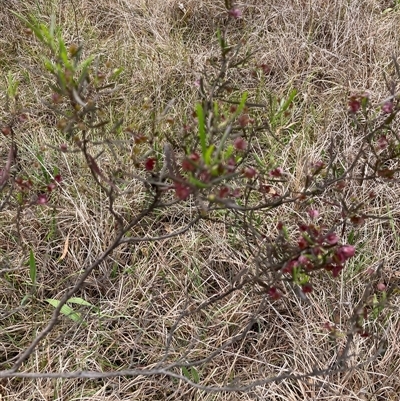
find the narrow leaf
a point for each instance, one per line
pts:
(208, 154)
(65, 310)
(33, 24)
(197, 183)
(242, 103)
(186, 372)
(63, 53)
(84, 67)
(285, 104)
(117, 72)
(12, 85)
(79, 301)
(195, 374)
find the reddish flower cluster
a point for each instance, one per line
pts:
(266, 69)
(307, 288)
(240, 144)
(276, 172)
(383, 142)
(53, 184)
(235, 13)
(249, 172)
(150, 164)
(355, 102)
(244, 120)
(313, 213)
(231, 165)
(42, 199)
(223, 192)
(387, 107)
(226, 191)
(23, 185)
(191, 162)
(182, 191)
(317, 167)
(6, 130)
(274, 293)
(318, 249)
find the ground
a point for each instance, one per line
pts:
(325, 50)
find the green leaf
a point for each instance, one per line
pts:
(53, 226)
(79, 301)
(63, 53)
(260, 162)
(12, 85)
(221, 40)
(52, 25)
(202, 129)
(26, 299)
(48, 38)
(351, 237)
(295, 274)
(242, 103)
(286, 103)
(56, 89)
(49, 66)
(84, 67)
(285, 232)
(207, 156)
(66, 310)
(229, 152)
(197, 183)
(86, 63)
(390, 118)
(186, 372)
(31, 24)
(216, 110)
(195, 374)
(32, 267)
(61, 78)
(117, 72)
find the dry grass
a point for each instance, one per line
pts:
(326, 49)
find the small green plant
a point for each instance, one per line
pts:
(191, 374)
(68, 311)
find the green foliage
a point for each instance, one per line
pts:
(378, 304)
(65, 64)
(68, 311)
(12, 86)
(191, 374)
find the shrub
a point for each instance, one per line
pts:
(223, 167)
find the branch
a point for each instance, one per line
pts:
(130, 240)
(166, 372)
(53, 321)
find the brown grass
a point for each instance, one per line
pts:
(325, 49)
